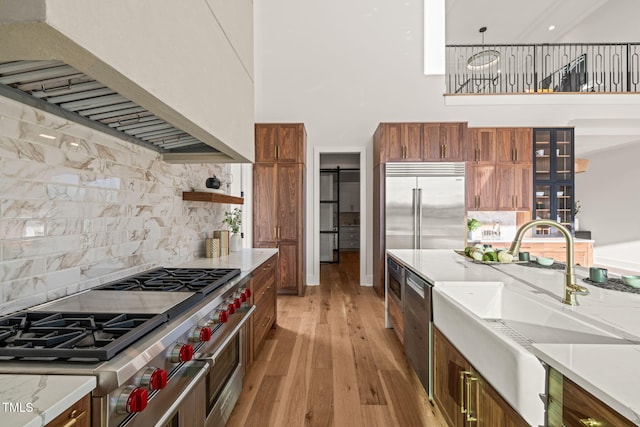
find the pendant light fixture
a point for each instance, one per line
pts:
(485, 58)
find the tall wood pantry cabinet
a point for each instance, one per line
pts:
(279, 201)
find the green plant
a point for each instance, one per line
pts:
(473, 224)
(233, 220)
(576, 207)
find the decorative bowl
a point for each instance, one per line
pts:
(633, 281)
(539, 193)
(544, 261)
(560, 193)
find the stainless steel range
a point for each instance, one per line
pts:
(167, 346)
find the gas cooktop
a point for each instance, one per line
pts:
(96, 324)
(175, 280)
(49, 336)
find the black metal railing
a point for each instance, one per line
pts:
(519, 68)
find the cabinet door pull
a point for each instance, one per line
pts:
(471, 418)
(590, 422)
(463, 375)
(74, 417)
(444, 151)
(515, 154)
(477, 154)
(277, 152)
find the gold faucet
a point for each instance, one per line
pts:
(571, 289)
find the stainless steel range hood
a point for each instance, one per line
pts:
(61, 89)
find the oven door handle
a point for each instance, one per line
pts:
(170, 412)
(211, 360)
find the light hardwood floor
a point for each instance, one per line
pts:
(331, 362)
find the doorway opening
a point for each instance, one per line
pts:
(339, 209)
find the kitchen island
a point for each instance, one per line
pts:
(36, 400)
(584, 343)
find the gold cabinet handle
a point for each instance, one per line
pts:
(515, 154)
(470, 418)
(275, 231)
(477, 154)
(477, 201)
(444, 151)
(277, 152)
(590, 422)
(463, 375)
(264, 325)
(75, 417)
(278, 232)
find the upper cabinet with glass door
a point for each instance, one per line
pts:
(553, 178)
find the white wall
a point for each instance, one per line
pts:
(343, 67)
(608, 194)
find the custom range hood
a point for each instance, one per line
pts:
(61, 89)
(174, 79)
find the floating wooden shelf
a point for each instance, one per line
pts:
(201, 196)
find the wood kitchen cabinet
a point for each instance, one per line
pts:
(582, 250)
(464, 397)
(481, 145)
(499, 169)
(481, 186)
(443, 142)
(279, 201)
(514, 145)
(280, 142)
(398, 142)
(572, 406)
(78, 415)
(263, 288)
(514, 186)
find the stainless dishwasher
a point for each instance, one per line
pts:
(418, 321)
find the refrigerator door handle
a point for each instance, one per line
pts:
(415, 217)
(419, 233)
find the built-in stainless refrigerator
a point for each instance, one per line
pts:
(425, 206)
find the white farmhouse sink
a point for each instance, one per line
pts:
(494, 326)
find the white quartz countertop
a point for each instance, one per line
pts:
(35, 400)
(609, 372)
(246, 260)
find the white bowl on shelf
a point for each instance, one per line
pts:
(560, 193)
(539, 193)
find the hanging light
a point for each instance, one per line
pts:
(485, 58)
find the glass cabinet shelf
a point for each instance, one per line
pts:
(553, 178)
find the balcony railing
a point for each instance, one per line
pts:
(538, 68)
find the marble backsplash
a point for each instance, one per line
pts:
(79, 208)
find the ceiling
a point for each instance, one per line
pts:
(515, 21)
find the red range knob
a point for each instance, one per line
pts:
(248, 292)
(158, 379)
(231, 308)
(243, 297)
(237, 303)
(220, 315)
(154, 378)
(181, 353)
(132, 399)
(205, 334)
